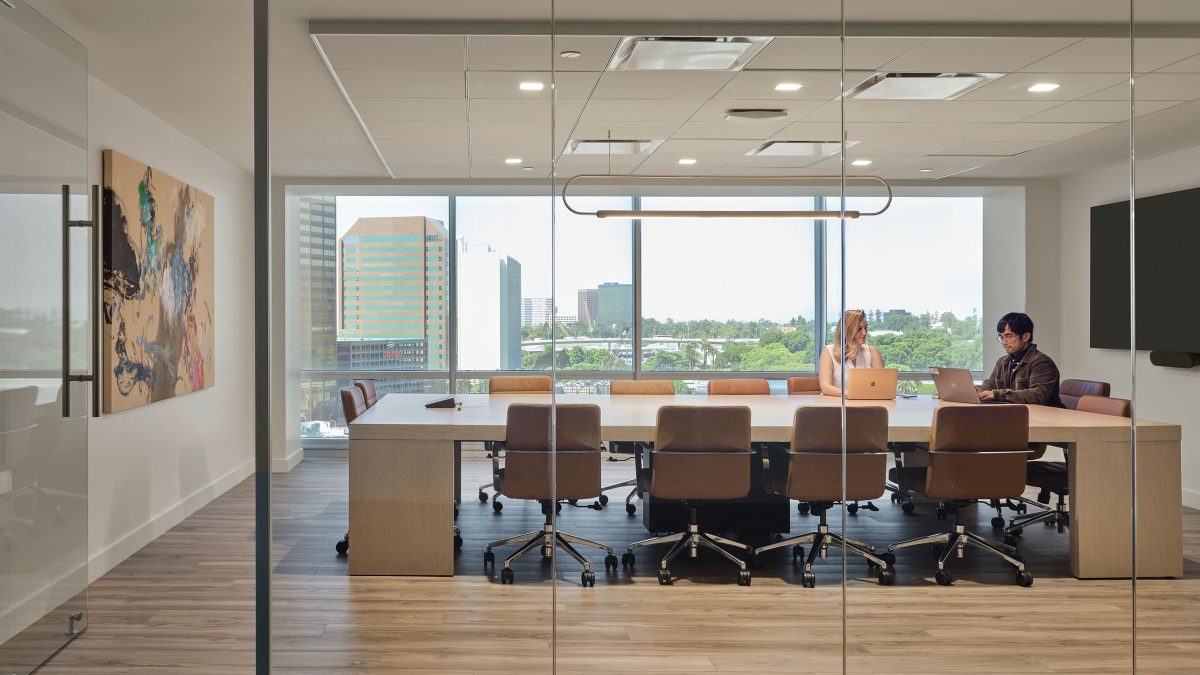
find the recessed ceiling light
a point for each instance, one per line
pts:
(861, 162)
(687, 161)
(685, 53)
(1043, 87)
(527, 168)
(925, 170)
(788, 86)
(735, 114)
(513, 160)
(570, 54)
(532, 86)
(919, 86)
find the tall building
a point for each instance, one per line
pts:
(395, 282)
(588, 306)
(536, 311)
(318, 303)
(489, 327)
(614, 303)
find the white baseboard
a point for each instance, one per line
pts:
(112, 555)
(1191, 498)
(287, 464)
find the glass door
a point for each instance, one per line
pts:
(44, 338)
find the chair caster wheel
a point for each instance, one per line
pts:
(342, 546)
(603, 500)
(943, 578)
(852, 509)
(627, 560)
(664, 577)
(908, 507)
(1051, 522)
(894, 497)
(630, 509)
(797, 553)
(588, 578)
(997, 523)
(489, 558)
(1024, 579)
(889, 558)
(809, 579)
(803, 508)
(610, 563)
(458, 541)
(743, 577)
(497, 506)
(1016, 531)
(483, 496)
(507, 576)
(887, 576)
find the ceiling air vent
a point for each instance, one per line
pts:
(755, 114)
(686, 53)
(799, 148)
(919, 86)
(610, 147)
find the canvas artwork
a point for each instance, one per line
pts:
(158, 285)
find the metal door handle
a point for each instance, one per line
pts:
(94, 306)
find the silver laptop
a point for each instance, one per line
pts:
(871, 384)
(955, 385)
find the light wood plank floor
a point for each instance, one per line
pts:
(185, 603)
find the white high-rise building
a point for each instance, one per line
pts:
(489, 311)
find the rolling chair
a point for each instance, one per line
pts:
(1052, 477)
(1070, 391)
(509, 384)
(634, 448)
(354, 404)
(803, 385)
(975, 453)
(701, 453)
(368, 391)
(812, 472)
(738, 387)
(526, 475)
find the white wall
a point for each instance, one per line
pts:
(153, 466)
(1163, 394)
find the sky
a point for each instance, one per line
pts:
(923, 254)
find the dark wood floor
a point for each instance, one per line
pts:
(185, 602)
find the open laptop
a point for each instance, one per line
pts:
(871, 384)
(955, 385)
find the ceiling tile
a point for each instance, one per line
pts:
(1191, 65)
(506, 84)
(882, 146)
(825, 53)
(930, 131)
(661, 84)
(1154, 87)
(873, 111)
(635, 110)
(749, 130)
(1097, 111)
(533, 52)
(714, 111)
(992, 148)
(523, 110)
(597, 163)
(449, 147)
(833, 166)
(942, 167)
(710, 153)
(537, 172)
(823, 131)
(417, 129)
(402, 83)
(821, 85)
(1111, 55)
(984, 54)
(1014, 87)
(399, 109)
(984, 111)
(530, 141)
(625, 130)
(434, 159)
(394, 52)
(430, 173)
(1045, 132)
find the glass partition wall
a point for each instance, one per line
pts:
(996, 141)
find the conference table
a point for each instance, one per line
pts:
(404, 477)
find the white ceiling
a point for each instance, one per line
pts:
(448, 106)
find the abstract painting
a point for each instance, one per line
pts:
(158, 285)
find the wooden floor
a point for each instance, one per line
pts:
(185, 603)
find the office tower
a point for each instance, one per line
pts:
(614, 304)
(318, 303)
(586, 314)
(489, 325)
(394, 282)
(536, 312)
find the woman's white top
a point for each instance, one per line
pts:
(863, 360)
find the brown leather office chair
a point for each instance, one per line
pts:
(1052, 477)
(509, 384)
(977, 452)
(368, 391)
(701, 453)
(1070, 391)
(527, 475)
(812, 472)
(738, 387)
(803, 385)
(635, 448)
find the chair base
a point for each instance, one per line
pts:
(692, 541)
(547, 539)
(954, 544)
(1058, 516)
(821, 540)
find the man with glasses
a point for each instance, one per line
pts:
(1023, 374)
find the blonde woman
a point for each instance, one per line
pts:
(858, 354)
